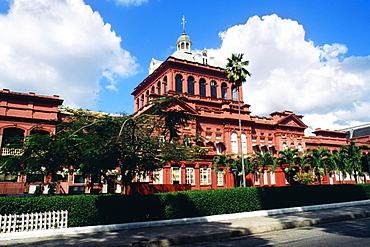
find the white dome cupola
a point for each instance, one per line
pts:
(184, 42)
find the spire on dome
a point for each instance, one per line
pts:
(184, 42)
(183, 23)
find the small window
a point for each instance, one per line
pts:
(202, 87)
(190, 179)
(213, 89)
(220, 178)
(176, 175)
(178, 79)
(234, 142)
(8, 177)
(205, 176)
(78, 179)
(224, 91)
(35, 178)
(190, 85)
(235, 94)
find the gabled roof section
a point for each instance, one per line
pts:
(291, 120)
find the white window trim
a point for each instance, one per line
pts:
(190, 175)
(205, 176)
(179, 169)
(220, 178)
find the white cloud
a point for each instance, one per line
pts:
(131, 2)
(60, 47)
(290, 73)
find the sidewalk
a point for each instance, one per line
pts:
(190, 230)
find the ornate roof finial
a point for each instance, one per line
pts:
(183, 23)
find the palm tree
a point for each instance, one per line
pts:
(265, 159)
(320, 161)
(237, 74)
(172, 118)
(352, 154)
(287, 160)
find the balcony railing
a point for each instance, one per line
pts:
(11, 151)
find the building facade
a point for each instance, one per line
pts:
(213, 103)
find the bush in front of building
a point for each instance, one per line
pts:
(108, 209)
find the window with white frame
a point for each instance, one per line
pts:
(300, 149)
(175, 175)
(220, 177)
(256, 177)
(190, 179)
(234, 143)
(272, 177)
(265, 180)
(244, 143)
(142, 176)
(218, 136)
(205, 176)
(158, 176)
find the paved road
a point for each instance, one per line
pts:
(344, 234)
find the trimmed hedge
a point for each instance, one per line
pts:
(107, 209)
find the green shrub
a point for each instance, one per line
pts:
(107, 209)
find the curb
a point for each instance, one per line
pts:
(203, 219)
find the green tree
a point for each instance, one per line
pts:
(97, 144)
(237, 75)
(288, 160)
(320, 161)
(352, 156)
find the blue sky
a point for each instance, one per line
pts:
(93, 53)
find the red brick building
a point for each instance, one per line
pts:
(213, 103)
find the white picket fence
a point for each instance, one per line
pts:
(33, 221)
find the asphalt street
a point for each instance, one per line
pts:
(344, 234)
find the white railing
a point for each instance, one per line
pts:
(33, 221)
(11, 151)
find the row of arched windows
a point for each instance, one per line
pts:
(202, 87)
(162, 87)
(144, 98)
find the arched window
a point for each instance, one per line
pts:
(137, 104)
(178, 83)
(202, 87)
(152, 89)
(147, 97)
(300, 148)
(224, 90)
(142, 100)
(234, 143)
(159, 87)
(12, 135)
(165, 84)
(244, 143)
(235, 93)
(190, 85)
(213, 89)
(284, 146)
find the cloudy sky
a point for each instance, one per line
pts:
(309, 56)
